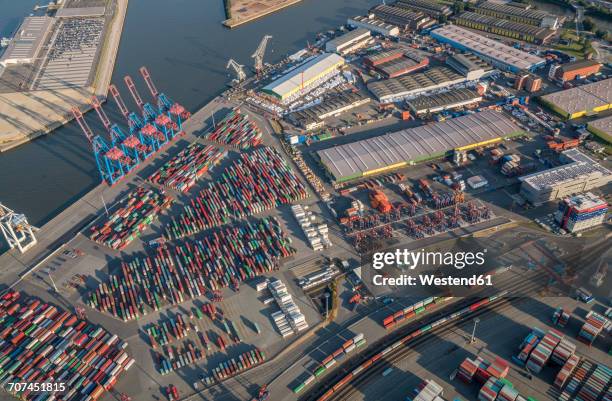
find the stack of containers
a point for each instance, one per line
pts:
(566, 371)
(581, 373)
(260, 180)
(507, 393)
(560, 317)
(413, 310)
(592, 327)
(489, 391)
(171, 329)
(173, 275)
(136, 212)
(236, 130)
(187, 355)
(563, 351)
(184, 169)
(595, 386)
(543, 351)
(330, 360)
(428, 390)
(289, 319)
(42, 343)
(238, 364)
(528, 345)
(468, 368)
(317, 234)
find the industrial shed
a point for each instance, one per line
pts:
(303, 76)
(398, 149)
(394, 89)
(581, 100)
(602, 128)
(444, 101)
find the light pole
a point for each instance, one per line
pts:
(52, 282)
(473, 339)
(326, 305)
(104, 203)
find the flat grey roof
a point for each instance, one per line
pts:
(427, 79)
(415, 143)
(603, 124)
(348, 37)
(488, 47)
(582, 98)
(516, 11)
(80, 12)
(450, 97)
(535, 31)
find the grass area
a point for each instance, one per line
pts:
(228, 8)
(575, 50)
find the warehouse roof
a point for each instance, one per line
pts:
(582, 98)
(604, 126)
(27, 40)
(80, 12)
(488, 47)
(425, 4)
(510, 10)
(415, 144)
(578, 64)
(396, 15)
(286, 84)
(453, 96)
(427, 79)
(579, 165)
(535, 31)
(348, 38)
(377, 57)
(329, 105)
(467, 62)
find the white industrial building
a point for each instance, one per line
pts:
(349, 42)
(374, 25)
(579, 174)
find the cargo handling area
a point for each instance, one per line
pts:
(228, 252)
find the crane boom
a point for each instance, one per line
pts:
(259, 53)
(130, 84)
(101, 113)
(78, 116)
(239, 69)
(149, 81)
(117, 96)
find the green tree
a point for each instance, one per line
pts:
(458, 7)
(588, 24)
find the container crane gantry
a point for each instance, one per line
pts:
(164, 104)
(16, 230)
(259, 53)
(238, 69)
(111, 161)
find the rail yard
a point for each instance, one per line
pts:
(229, 252)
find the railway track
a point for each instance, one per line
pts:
(343, 384)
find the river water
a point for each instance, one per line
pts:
(186, 48)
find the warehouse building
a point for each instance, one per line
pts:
(511, 29)
(581, 212)
(349, 42)
(602, 128)
(397, 62)
(398, 89)
(579, 174)
(27, 42)
(451, 99)
(413, 145)
(498, 54)
(305, 77)
(429, 7)
(374, 25)
(516, 14)
(312, 117)
(581, 100)
(405, 19)
(575, 69)
(469, 65)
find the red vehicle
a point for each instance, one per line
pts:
(172, 392)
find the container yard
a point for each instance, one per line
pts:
(258, 181)
(135, 213)
(44, 343)
(193, 269)
(236, 131)
(185, 169)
